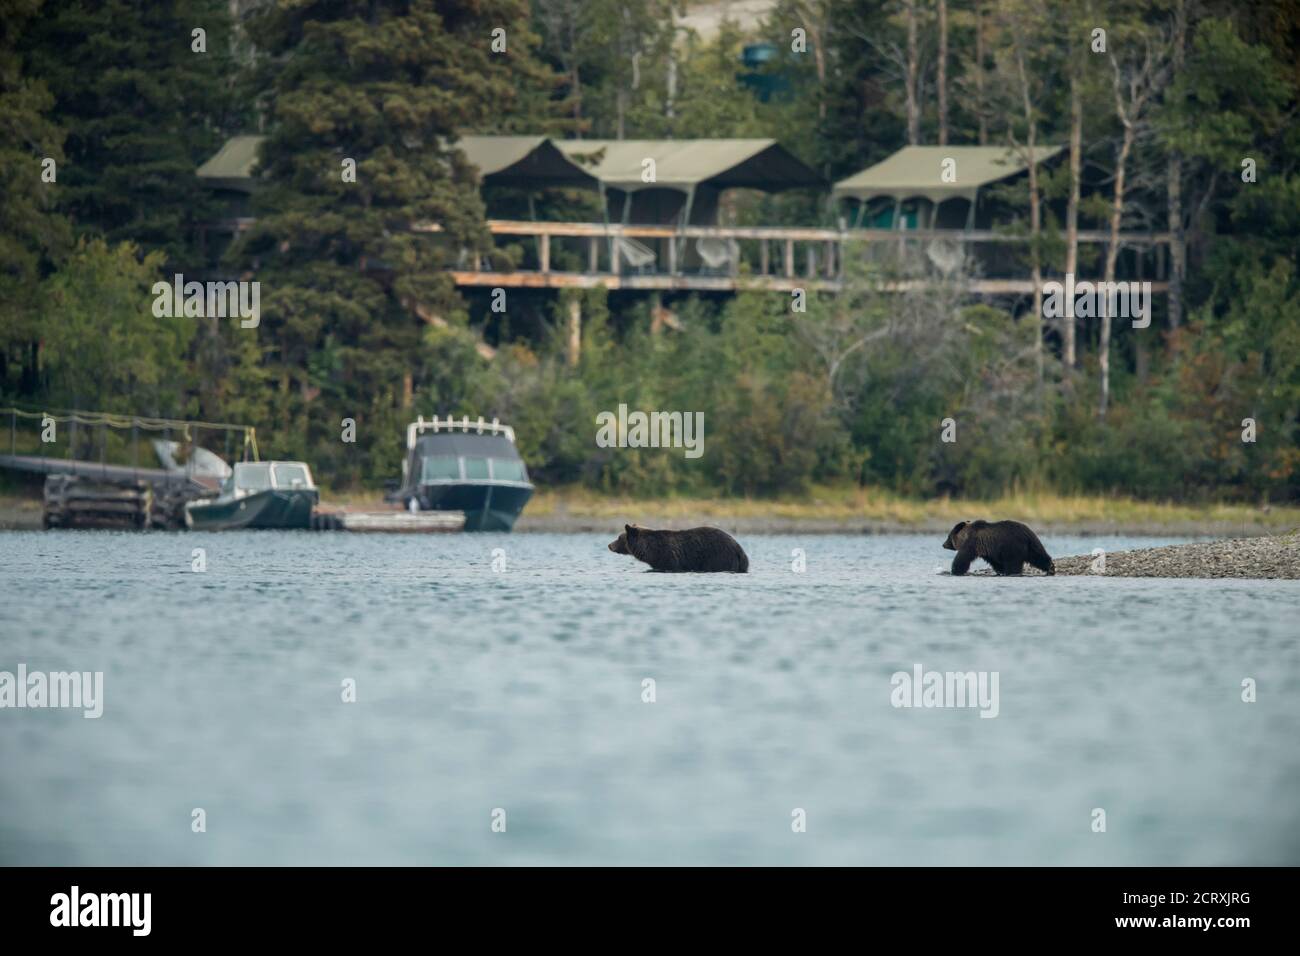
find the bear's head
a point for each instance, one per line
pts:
(957, 536)
(620, 544)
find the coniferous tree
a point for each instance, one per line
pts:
(363, 103)
(144, 99)
(33, 236)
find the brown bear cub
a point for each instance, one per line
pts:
(697, 549)
(1006, 545)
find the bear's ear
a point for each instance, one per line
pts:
(629, 528)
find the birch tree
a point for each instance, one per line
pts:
(1140, 69)
(1174, 181)
(815, 18)
(901, 57)
(941, 81)
(1025, 27)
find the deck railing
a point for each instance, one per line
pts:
(728, 258)
(557, 255)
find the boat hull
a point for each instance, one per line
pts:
(281, 509)
(488, 506)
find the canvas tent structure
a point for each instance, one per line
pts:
(526, 162)
(229, 174)
(522, 161)
(916, 173)
(685, 170)
(689, 174)
(689, 177)
(231, 167)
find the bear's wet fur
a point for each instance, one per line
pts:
(1006, 545)
(696, 549)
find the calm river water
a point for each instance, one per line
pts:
(519, 695)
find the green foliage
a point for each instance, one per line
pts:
(33, 236)
(103, 347)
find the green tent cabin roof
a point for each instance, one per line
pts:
(917, 171)
(232, 165)
(538, 161)
(522, 161)
(685, 163)
(501, 160)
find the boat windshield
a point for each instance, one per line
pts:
(448, 468)
(291, 474)
(440, 468)
(508, 469)
(252, 477)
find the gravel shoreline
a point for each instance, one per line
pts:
(1271, 557)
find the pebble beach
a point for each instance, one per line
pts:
(1271, 556)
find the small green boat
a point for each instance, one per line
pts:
(258, 494)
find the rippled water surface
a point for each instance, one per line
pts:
(522, 690)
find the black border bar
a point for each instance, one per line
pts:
(333, 905)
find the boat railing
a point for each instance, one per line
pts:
(450, 424)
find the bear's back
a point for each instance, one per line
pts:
(695, 549)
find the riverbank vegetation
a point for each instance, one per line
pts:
(851, 508)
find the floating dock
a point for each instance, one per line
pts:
(390, 522)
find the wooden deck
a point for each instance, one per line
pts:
(525, 279)
(578, 255)
(774, 259)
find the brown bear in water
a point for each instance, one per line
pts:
(697, 549)
(1006, 545)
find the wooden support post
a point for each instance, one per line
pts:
(672, 257)
(546, 252)
(762, 256)
(830, 258)
(575, 331)
(593, 255)
(789, 258)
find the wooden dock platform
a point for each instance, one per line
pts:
(75, 502)
(390, 522)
